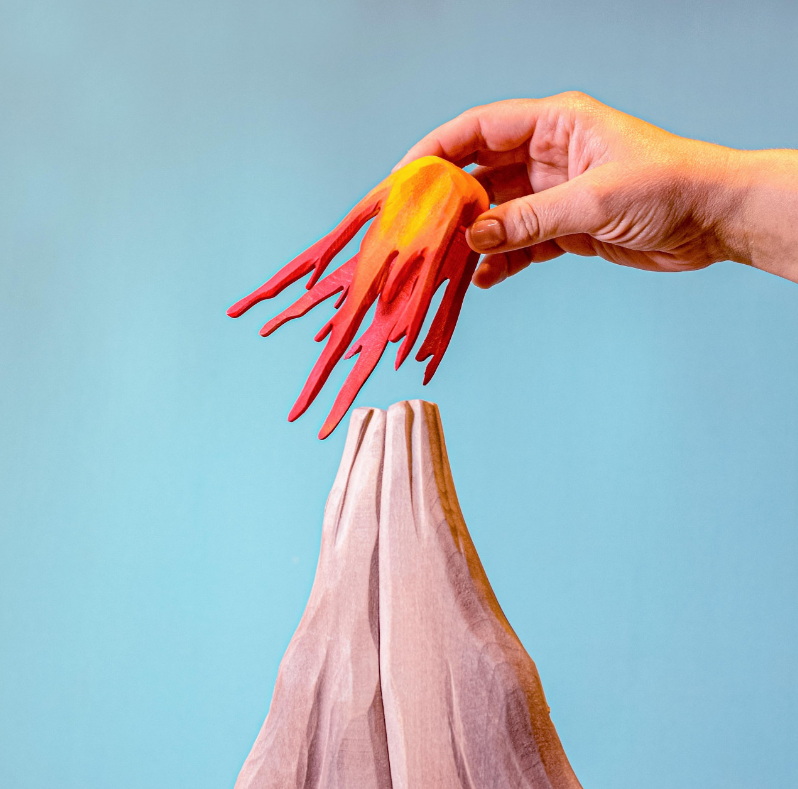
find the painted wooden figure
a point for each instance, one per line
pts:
(415, 243)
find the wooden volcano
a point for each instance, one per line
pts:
(404, 672)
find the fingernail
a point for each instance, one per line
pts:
(487, 234)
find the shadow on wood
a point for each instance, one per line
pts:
(404, 671)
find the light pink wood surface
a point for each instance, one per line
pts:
(325, 726)
(464, 706)
(404, 671)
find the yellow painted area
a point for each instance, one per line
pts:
(420, 198)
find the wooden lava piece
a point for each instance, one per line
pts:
(404, 671)
(415, 243)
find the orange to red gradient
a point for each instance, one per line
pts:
(415, 243)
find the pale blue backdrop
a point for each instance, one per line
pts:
(625, 444)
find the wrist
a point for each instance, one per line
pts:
(757, 223)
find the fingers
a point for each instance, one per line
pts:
(574, 207)
(502, 127)
(494, 269)
(492, 158)
(504, 183)
(498, 134)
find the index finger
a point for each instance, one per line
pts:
(498, 127)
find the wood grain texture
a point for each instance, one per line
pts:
(325, 726)
(464, 706)
(404, 671)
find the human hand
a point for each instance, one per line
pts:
(569, 174)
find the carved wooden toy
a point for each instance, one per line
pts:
(404, 672)
(415, 243)
(326, 726)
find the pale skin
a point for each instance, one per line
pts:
(570, 174)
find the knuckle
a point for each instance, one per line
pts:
(577, 104)
(524, 223)
(577, 100)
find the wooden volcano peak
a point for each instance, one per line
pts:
(404, 672)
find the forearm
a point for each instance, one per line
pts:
(761, 226)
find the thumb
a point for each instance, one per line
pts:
(576, 206)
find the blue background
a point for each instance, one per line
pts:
(625, 444)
